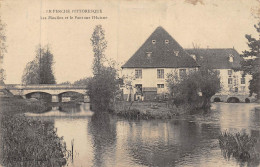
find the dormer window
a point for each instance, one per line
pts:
(176, 52)
(166, 41)
(193, 56)
(148, 54)
(231, 58)
(153, 41)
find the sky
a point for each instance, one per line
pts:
(127, 24)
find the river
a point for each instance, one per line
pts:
(105, 140)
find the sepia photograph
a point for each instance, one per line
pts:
(130, 83)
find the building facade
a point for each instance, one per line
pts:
(225, 61)
(145, 73)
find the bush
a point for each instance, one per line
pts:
(14, 105)
(28, 142)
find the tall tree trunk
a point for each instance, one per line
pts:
(206, 104)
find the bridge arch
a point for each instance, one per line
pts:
(217, 99)
(247, 100)
(233, 100)
(73, 91)
(72, 95)
(40, 95)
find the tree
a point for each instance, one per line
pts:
(251, 62)
(40, 70)
(102, 88)
(82, 82)
(2, 50)
(209, 84)
(194, 89)
(99, 45)
(65, 83)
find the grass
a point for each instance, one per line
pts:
(240, 146)
(148, 110)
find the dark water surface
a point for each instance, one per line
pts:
(105, 140)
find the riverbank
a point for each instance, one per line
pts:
(151, 110)
(28, 141)
(17, 105)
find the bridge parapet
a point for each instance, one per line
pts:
(42, 86)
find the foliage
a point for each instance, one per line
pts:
(13, 105)
(2, 50)
(187, 90)
(251, 62)
(99, 45)
(40, 70)
(144, 110)
(239, 145)
(102, 88)
(82, 82)
(65, 83)
(30, 142)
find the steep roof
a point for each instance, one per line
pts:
(217, 58)
(161, 53)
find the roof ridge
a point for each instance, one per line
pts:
(162, 52)
(207, 48)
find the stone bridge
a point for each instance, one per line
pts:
(233, 97)
(54, 90)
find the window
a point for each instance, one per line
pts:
(182, 73)
(242, 88)
(229, 72)
(160, 73)
(166, 41)
(231, 58)
(153, 41)
(148, 54)
(176, 52)
(243, 80)
(138, 74)
(230, 80)
(160, 85)
(193, 56)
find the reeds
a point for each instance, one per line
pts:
(240, 146)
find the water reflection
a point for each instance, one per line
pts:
(103, 131)
(105, 140)
(153, 143)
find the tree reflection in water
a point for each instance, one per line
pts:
(103, 130)
(168, 142)
(30, 142)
